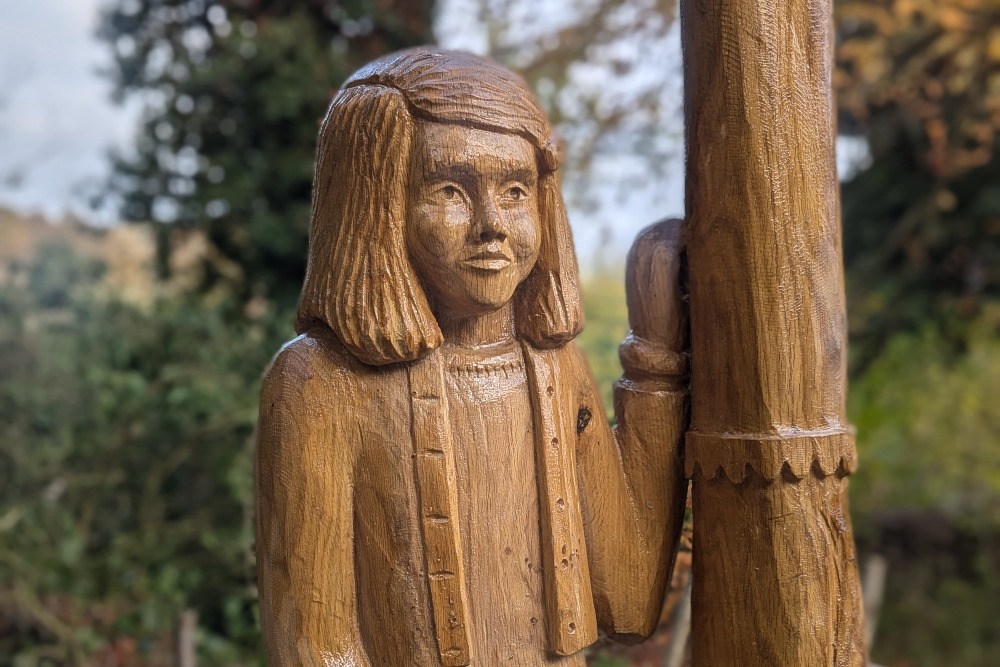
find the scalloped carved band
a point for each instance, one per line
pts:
(826, 453)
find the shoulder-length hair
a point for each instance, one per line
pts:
(359, 279)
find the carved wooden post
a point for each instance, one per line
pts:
(769, 449)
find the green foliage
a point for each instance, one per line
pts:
(929, 428)
(929, 441)
(919, 250)
(606, 326)
(601, 659)
(125, 469)
(234, 95)
(920, 81)
(933, 617)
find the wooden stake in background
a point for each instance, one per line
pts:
(775, 578)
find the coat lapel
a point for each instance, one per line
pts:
(569, 606)
(434, 462)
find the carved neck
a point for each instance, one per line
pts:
(477, 330)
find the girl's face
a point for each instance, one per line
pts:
(473, 225)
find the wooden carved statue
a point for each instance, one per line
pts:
(436, 482)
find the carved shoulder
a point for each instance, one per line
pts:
(307, 393)
(307, 366)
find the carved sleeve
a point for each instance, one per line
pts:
(632, 478)
(305, 555)
(633, 493)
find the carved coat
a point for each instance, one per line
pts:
(359, 561)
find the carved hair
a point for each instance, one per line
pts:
(359, 280)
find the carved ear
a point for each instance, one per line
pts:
(359, 280)
(549, 313)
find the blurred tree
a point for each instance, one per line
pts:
(234, 91)
(125, 469)
(920, 80)
(929, 428)
(927, 495)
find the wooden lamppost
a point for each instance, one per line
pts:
(769, 448)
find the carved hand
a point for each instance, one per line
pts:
(657, 307)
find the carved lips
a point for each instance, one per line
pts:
(489, 259)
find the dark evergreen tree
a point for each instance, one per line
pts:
(234, 91)
(920, 80)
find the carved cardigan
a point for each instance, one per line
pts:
(358, 550)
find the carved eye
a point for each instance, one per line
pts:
(517, 193)
(583, 418)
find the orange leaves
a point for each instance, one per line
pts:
(935, 62)
(993, 45)
(954, 18)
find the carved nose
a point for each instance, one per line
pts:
(491, 225)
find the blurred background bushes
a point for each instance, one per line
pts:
(125, 484)
(130, 358)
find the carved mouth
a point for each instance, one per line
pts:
(488, 260)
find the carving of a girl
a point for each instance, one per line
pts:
(436, 482)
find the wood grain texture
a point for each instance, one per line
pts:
(438, 497)
(435, 483)
(570, 613)
(769, 447)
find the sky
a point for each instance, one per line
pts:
(57, 121)
(58, 124)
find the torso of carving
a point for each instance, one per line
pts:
(489, 410)
(435, 480)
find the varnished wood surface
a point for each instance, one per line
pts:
(441, 280)
(437, 494)
(775, 580)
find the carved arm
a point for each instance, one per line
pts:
(634, 485)
(305, 527)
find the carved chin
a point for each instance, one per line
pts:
(492, 299)
(492, 293)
